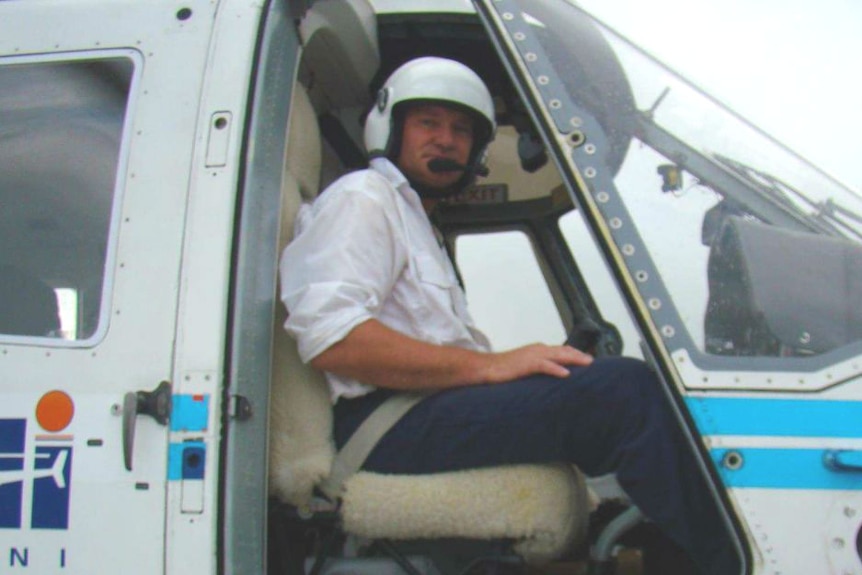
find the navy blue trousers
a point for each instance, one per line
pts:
(611, 416)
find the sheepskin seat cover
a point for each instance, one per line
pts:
(542, 507)
(301, 449)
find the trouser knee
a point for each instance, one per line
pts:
(629, 386)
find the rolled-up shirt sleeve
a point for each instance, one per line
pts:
(338, 270)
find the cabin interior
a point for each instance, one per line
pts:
(502, 520)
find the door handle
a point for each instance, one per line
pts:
(156, 404)
(843, 460)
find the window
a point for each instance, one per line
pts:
(506, 291)
(60, 140)
(603, 287)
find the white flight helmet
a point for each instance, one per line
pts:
(431, 79)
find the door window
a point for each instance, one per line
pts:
(60, 140)
(506, 291)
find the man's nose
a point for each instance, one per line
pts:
(445, 136)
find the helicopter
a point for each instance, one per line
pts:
(156, 417)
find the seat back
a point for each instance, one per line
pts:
(300, 443)
(340, 56)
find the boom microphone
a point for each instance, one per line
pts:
(441, 165)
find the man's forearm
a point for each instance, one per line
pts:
(377, 355)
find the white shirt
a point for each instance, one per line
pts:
(366, 250)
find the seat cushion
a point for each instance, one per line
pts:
(544, 508)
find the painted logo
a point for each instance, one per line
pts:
(35, 475)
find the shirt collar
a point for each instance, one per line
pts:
(390, 171)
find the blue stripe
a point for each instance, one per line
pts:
(776, 417)
(784, 469)
(190, 412)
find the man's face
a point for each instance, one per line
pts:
(434, 131)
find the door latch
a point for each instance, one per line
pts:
(843, 460)
(156, 404)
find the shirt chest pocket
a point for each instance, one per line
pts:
(434, 302)
(431, 272)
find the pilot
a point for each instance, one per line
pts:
(374, 303)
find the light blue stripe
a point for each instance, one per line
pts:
(190, 412)
(776, 417)
(784, 469)
(175, 461)
(175, 458)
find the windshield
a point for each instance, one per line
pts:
(741, 257)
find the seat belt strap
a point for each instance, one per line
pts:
(353, 454)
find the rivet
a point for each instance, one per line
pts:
(838, 543)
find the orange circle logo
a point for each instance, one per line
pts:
(55, 410)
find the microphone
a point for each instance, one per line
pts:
(440, 165)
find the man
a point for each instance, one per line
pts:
(374, 303)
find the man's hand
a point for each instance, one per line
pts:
(533, 359)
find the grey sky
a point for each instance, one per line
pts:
(789, 66)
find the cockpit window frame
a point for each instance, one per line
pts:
(579, 144)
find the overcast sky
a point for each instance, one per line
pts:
(792, 67)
